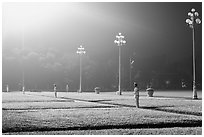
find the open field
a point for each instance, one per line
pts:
(105, 113)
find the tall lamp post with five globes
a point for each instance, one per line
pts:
(80, 51)
(119, 41)
(191, 21)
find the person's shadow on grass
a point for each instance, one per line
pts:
(163, 108)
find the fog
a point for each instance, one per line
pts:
(40, 40)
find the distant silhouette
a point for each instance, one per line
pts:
(67, 87)
(7, 88)
(55, 90)
(136, 94)
(183, 84)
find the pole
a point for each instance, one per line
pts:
(23, 88)
(119, 41)
(7, 88)
(80, 73)
(130, 74)
(194, 71)
(119, 86)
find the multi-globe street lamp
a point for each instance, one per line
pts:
(119, 41)
(191, 22)
(80, 51)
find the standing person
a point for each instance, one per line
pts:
(7, 88)
(67, 87)
(136, 94)
(55, 90)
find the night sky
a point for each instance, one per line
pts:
(41, 40)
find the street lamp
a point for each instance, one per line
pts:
(80, 51)
(119, 41)
(7, 88)
(23, 44)
(23, 84)
(131, 66)
(191, 22)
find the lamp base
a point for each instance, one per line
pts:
(118, 93)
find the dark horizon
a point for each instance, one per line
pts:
(158, 40)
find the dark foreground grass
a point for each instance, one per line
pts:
(93, 119)
(150, 131)
(104, 114)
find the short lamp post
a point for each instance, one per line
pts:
(80, 51)
(7, 88)
(131, 66)
(23, 84)
(119, 41)
(191, 21)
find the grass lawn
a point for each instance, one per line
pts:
(150, 131)
(89, 113)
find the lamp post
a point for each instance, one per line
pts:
(23, 44)
(119, 41)
(80, 51)
(7, 88)
(131, 66)
(191, 22)
(23, 84)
